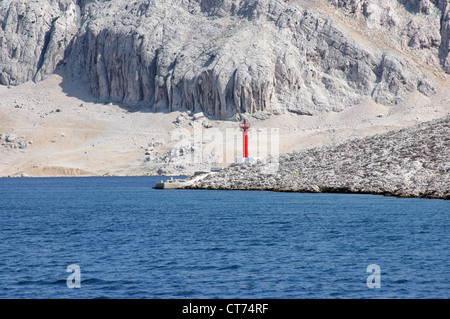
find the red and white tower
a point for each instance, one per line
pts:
(245, 128)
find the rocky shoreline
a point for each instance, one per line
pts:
(413, 162)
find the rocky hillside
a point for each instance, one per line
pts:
(413, 162)
(231, 56)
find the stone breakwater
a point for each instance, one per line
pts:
(413, 162)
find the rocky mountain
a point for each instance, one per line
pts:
(412, 162)
(229, 57)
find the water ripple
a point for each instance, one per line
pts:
(131, 241)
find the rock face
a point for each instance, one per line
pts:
(33, 37)
(413, 162)
(406, 31)
(232, 56)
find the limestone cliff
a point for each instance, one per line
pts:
(231, 56)
(33, 37)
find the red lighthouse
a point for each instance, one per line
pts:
(245, 128)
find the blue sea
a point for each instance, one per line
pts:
(131, 241)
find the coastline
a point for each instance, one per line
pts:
(331, 191)
(405, 153)
(412, 162)
(306, 190)
(324, 190)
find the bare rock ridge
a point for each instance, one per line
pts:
(412, 162)
(233, 56)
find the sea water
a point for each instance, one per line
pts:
(117, 237)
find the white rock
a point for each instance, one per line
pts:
(225, 58)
